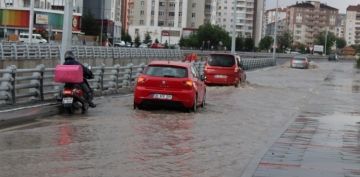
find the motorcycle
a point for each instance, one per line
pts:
(73, 99)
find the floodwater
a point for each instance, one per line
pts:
(218, 141)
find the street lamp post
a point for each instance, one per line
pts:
(102, 21)
(31, 20)
(326, 38)
(275, 31)
(233, 40)
(67, 29)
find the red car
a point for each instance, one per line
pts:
(170, 83)
(224, 69)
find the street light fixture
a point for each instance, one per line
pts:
(31, 20)
(233, 40)
(275, 31)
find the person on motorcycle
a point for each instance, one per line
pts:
(87, 74)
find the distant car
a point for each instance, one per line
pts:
(120, 44)
(143, 46)
(170, 83)
(300, 61)
(224, 69)
(157, 46)
(36, 38)
(333, 57)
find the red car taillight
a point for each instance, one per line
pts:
(189, 84)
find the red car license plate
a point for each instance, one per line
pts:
(162, 96)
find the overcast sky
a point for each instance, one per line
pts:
(339, 4)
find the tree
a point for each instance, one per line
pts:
(182, 42)
(147, 39)
(265, 43)
(89, 25)
(137, 41)
(340, 43)
(126, 37)
(212, 33)
(320, 40)
(249, 44)
(239, 43)
(284, 41)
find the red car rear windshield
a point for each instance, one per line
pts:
(166, 71)
(221, 60)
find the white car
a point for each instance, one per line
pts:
(36, 38)
(120, 44)
(143, 46)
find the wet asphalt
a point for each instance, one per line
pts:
(313, 116)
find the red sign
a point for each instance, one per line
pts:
(76, 23)
(165, 33)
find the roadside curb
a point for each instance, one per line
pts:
(23, 114)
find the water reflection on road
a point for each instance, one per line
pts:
(220, 140)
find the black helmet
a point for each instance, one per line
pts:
(69, 55)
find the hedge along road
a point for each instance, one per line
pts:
(220, 140)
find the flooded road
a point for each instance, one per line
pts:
(218, 141)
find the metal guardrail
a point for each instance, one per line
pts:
(44, 51)
(36, 84)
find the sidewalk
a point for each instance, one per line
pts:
(315, 146)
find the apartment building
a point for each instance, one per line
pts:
(108, 15)
(269, 22)
(48, 16)
(307, 19)
(352, 26)
(164, 19)
(340, 26)
(245, 16)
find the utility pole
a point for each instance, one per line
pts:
(326, 36)
(275, 31)
(67, 29)
(31, 20)
(102, 21)
(233, 40)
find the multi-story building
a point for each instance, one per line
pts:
(164, 19)
(340, 26)
(352, 26)
(245, 16)
(108, 15)
(308, 19)
(270, 15)
(48, 16)
(270, 28)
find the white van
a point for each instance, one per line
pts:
(36, 38)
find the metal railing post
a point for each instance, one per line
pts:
(102, 71)
(117, 71)
(13, 84)
(41, 81)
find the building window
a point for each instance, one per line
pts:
(142, 12)
(193, 15)
(161, 4)
(161, 23)
(171, 14)
(180, 14)
(161, 13)
(193, 5)
(172, 4)
(142, 3)
(141, 22)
